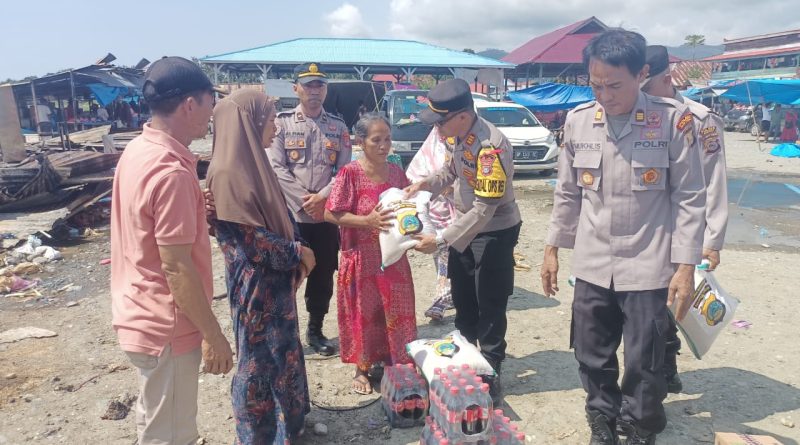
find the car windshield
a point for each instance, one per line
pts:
(509, 117)
(406, 107)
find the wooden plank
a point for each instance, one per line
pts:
(12, 143)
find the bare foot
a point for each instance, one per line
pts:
(361, 384)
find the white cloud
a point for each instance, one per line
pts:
(506, 24)
(347, 21)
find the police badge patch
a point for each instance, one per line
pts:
(490, 178)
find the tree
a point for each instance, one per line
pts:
(694, 40)
(695, 72)
(469, 50)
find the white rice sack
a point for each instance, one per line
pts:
(454, 349)
(410, 218)
(712, 309)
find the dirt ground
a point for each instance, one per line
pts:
(55, 390)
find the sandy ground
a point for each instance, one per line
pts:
(55, 390)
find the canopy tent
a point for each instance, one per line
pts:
(698, 94)
(552, 96)
(786, 92)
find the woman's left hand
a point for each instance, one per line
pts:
(211, 207)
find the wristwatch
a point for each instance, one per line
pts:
(440, 242)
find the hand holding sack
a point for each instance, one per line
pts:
(410, 218)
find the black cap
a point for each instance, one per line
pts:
(309, 72)
(447, 97)
(173, 77)
(658, 59)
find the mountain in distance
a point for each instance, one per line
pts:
(684, 52)
(493, 53)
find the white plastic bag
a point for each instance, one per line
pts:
(712, 309)
(454, 349)
(410, 218)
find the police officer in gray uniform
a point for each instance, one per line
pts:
(630, 202)
(708, 133)
(309, 148)
(487, 223)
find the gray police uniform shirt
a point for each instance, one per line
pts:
(709, 130)
(481, 170)
(631, 207)
(306, 153)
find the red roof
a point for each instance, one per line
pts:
(564, 45)
(754, 53)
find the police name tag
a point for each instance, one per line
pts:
(490, 178)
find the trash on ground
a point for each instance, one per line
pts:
(17, 334)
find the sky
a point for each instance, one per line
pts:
(61, 34)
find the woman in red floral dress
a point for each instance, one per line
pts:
(376, 307)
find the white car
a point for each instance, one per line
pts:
(535, 148)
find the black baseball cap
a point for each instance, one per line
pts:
(447, 97)
(173, 77)
(309, 72)
(658, 59)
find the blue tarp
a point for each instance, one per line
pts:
(786, 151)
(785, 92)
(552, 96)
(106, 94)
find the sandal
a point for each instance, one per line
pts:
(361, 381)
(435, 312)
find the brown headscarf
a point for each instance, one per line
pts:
(245, 187)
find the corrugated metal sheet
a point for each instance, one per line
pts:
(681, 72)
(403, 53)
(559, 46)
(735, 55)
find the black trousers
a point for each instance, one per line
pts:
(673, 346)
(601, 318)
(323, 239)
(482, 279)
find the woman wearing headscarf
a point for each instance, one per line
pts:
(264, 264)
(431, 157)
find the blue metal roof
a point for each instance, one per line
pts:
(357, 52)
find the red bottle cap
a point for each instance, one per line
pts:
(484, 387)
(470, 389)
(462, 382)
(454, 390)
(498, 412)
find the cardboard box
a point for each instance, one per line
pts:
(743, 439)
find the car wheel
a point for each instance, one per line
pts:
(546, 173)
(754, 129)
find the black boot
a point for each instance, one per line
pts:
(636, 436)
(674, 384)
(603, 430)
(495, 386)
(316, 339)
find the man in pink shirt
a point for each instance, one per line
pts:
(161, 280)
